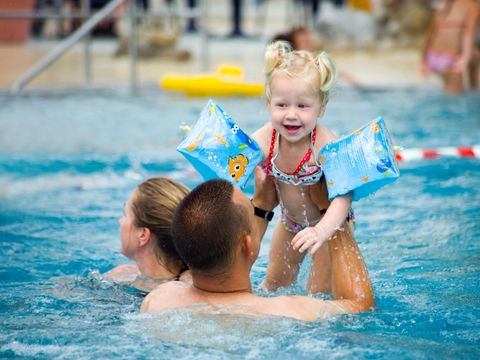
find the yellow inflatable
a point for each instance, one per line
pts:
(362, 5)
(228, 80)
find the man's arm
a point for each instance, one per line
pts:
(351, 286)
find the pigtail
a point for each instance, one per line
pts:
(274, 54)
(327, 70)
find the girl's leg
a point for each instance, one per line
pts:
(284, 262)
(453, 83)
(320, 273)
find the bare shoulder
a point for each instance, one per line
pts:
(165, 296)
(262, 136)
(304, 308)
(123, 273)
(324, 136)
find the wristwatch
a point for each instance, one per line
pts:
(264, 214)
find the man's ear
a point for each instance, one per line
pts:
(248, 245)
(144, 236)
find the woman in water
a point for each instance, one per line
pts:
(145, 236)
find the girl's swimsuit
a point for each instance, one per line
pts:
(304, 175)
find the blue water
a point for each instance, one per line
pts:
(68, 161)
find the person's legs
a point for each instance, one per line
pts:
(284, 262)
(236, 18)
(191, 24)
(473, 67)
(453, 83)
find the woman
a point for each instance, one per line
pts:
(145, 236)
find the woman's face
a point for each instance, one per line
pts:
(128, 231)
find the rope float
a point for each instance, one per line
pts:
(414, 154)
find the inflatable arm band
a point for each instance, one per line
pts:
(218, 148)
(361, 162)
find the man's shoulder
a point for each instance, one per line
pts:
(299, 307)
(165, 296)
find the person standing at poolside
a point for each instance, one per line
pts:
(217, 234)
(449, 44)
(145, 236)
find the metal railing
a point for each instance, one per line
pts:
(83, 32)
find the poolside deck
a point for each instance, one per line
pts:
(369, 68)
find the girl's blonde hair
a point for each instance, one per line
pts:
(318, 70)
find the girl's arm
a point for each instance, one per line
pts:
(311, 238)
(262, 137)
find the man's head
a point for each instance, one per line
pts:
(209, 225)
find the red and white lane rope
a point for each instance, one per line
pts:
(425, 154)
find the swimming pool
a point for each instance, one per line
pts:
(68, 161)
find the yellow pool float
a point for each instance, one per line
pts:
(227, 81)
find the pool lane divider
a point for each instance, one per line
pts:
(416, 154)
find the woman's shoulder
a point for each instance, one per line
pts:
(123, 273)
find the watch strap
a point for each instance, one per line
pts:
(264, 214)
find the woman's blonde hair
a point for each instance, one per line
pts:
(153, 204)
(318, 70)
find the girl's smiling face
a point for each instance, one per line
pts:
(294, 107)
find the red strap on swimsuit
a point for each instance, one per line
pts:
(304, 160)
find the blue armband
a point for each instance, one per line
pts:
(361, 162)
(218, 148)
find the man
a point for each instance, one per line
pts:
(217, 234)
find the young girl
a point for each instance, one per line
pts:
(297, 85)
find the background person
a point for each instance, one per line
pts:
(145, 236)
(449, 44)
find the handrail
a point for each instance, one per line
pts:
(43, 14)
(64, 45)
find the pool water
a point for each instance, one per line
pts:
(69, 160)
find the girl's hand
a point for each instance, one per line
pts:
(425, 70)
(311, 238)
